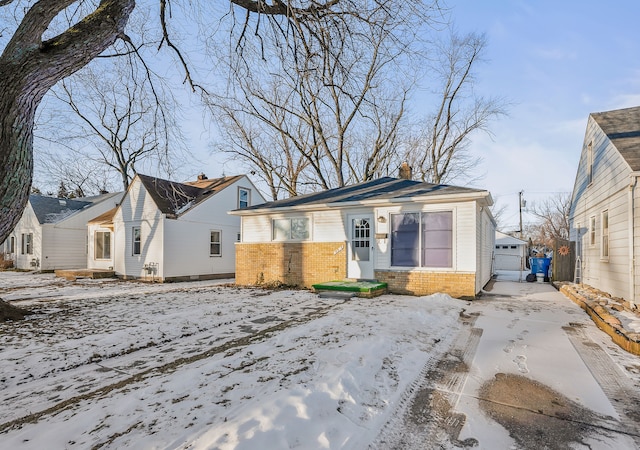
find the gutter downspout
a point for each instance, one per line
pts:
(632, 259)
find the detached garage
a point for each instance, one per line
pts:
(510, 253)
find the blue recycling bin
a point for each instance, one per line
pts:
(540, 265)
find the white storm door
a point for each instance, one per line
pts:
(361, 234)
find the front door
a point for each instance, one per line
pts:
(360, 254)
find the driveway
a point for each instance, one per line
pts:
(531, 368)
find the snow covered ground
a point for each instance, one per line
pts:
(205, 365)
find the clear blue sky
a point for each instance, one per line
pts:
(557, 61)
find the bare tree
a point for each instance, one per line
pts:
(29, 66)
(553, 219)
(119, 119)
(498, 211)
(77, 172)
(328, 117)
(263, 145)
(41, 51)
(439, 152)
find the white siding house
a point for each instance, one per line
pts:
(168, 231)
(510, 253)
(419, 238)
(52, 232)
(605, 204)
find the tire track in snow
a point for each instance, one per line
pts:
(425, 416)
(113, 364)
(170, 366)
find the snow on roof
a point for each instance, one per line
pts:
(173, 198)
(53, 210)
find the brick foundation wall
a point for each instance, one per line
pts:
(458, 285)
(292, 263)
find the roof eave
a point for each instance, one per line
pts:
(431, 198)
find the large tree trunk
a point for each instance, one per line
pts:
(29, 67)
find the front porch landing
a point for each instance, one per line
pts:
(359, 288)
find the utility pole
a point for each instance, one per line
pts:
(521, 203)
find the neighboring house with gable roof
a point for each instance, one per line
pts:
(419, 238)
(52, 232)
(605, 204)
(168, 231)
(510, 253)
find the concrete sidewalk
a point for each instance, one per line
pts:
(544, 374)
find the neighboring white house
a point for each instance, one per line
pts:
(420, 238)
(168, 231)
(52, 232)
(510, 253)
(605, 204)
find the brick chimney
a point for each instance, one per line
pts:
(202, 176)
(405, 171)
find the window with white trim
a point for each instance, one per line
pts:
(244, 198)
(102, 246)
(27, 243)
(592, 231)
(604, 239)
(293, 229)
(136, 241)
(12, 244)
(215, 243)
(422, 239)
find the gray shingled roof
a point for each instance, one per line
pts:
(174, 199)
(52, 210)
(387, 189)
(622, 127)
